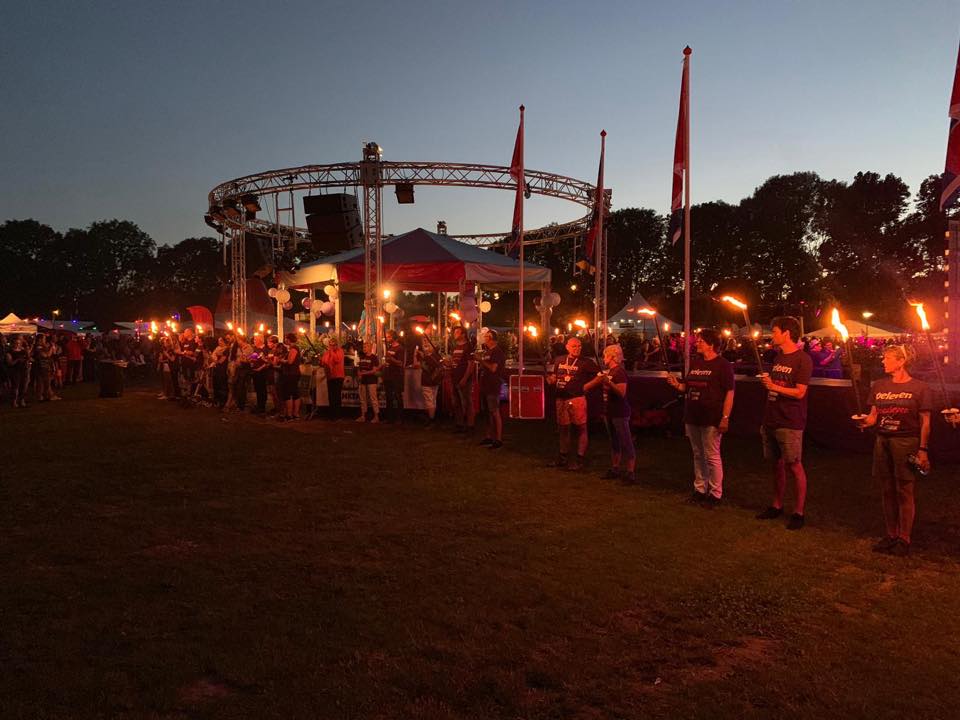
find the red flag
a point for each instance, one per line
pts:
(201, 315)
(951, 171)
(596, 222)
(517, 173)
(679, 159)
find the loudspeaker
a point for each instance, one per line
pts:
(334, 233)
(259, 250)
(333, 221)
(332, 204)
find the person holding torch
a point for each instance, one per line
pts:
(785, 418)
(900, 407)
(709, 388)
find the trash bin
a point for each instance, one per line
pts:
(111, 378)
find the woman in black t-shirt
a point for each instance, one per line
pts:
(900, 410)
(289, 379)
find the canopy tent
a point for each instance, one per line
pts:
(421, 261)
(629, 317)
(71, 326)
(857, 328)
(12, 325)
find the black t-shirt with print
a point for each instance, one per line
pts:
(431, 373)
(899, 406)
(461, 359)
(615, 405)
(490, 381)
(366, 364)
(572, 374)
(393, 362)
(707, 385)
(788, 371)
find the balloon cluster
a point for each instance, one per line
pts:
(319, 308)
(546, 302)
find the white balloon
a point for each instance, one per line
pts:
(485, 306)
(272, 292)
(287, 305)
(317, 309)
(327, 308)
(554, 299)
(390, 307)
(330, 291)
(307, 303)
(282, 296)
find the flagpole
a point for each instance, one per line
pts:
(686, 214)
(521, 181)
(599, 278)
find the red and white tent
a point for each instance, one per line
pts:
(422, 261)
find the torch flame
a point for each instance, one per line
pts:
(418, 330)
(649, 312)
(840, 327)
(455, 315)
(260, 328)
(734, 301)
(922, 315)
(301, 331)
(582, 324)
(532, 329)
(229, 326)
(240, 332)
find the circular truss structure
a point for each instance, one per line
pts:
(306, 178)
(234, 205)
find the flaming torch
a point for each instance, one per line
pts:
(652, 314)
(947, 412)
(742, 306)
(845, 335)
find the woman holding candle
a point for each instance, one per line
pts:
(900, 410)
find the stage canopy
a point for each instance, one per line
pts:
(422, 261)
(630, 319)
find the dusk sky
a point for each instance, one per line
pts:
(136, 110)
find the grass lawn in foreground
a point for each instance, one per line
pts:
(163, 562)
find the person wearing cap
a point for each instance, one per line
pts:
(900, 407)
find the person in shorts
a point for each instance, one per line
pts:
(288, 378)
(492, 362)
(570, 374)
(427, 359)
(616, 415)
(785, 417)
(709, 387)
(900, 407)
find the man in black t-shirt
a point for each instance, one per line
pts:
(709, 388)
(394, 361)
(571, 372)
(492, 363)
(463, 375)
(785, 417)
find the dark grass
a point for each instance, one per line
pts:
(162, 562)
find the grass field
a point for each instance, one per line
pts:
(163, 562)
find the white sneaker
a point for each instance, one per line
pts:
(375, 420)
(361, 419)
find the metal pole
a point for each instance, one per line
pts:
(522, 181)
(686, 214)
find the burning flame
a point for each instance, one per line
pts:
(532, 329)
(582, 324)
(240, 332)
(301, 331)
(756, 334)
(229, 326)
(153, 328)
(840, 327)
(380, 318)
(666, 327)
(726, 333)
(649, 312)
(418, 330)
(734, 301)
(455, 315)
(922, 314)
(260, 329)
(199, 329)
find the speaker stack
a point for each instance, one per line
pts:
(333, 221)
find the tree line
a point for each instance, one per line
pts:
(796, 244)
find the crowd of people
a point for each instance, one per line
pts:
(221, 372)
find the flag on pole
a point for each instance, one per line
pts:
(951, 171)
(680, 161)
(517, 173)
(596, 220)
